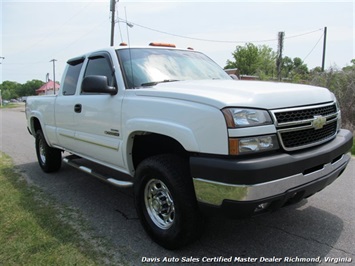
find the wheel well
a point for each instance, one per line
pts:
(36, 125)
(146, 145)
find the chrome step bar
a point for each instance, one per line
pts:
(108, 179)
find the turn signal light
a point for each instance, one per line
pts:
(233, 146)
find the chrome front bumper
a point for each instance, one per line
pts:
(214, 193)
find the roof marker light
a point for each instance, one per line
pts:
(161, 44)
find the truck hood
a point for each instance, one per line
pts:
(256, 94)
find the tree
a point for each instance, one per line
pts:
(13, 90)
(315, 70)
(267, 59)
(349, 68)
(246, 59)
(9, 89)
(342, 84)
(300, 70)
(30, 87)
(294, 69)
(287, 67)
(253, 60)
(261, 60)
(299, 66)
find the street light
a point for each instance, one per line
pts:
(129, 24)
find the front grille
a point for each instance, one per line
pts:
(297, 129)
(297, 115)
(309, 136)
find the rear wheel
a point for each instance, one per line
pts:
(49, 159)
(166, 202)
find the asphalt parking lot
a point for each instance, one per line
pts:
(320, 228)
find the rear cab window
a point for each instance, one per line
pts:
(72, 75)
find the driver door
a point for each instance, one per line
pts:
(98, 117)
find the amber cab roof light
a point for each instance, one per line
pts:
(123, 44)
(161, 44)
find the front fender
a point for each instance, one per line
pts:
(180, 133)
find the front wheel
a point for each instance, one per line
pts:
(166, 202)
(49, 159)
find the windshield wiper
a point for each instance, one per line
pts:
(153, 83)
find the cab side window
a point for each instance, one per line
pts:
(100, 65)
(72, 76)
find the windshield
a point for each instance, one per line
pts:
(147, 67)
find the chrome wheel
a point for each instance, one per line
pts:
(165, 200)
(159, 204)
(49, 159)
(42, 151)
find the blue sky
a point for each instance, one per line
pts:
(35, 32)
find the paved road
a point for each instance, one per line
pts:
(321, 227)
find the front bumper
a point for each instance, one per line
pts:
(248, 183)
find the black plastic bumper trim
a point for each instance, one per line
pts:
(269, 167)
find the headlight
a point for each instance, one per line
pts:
(238, 146)
(243, 117)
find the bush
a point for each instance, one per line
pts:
(342, 84)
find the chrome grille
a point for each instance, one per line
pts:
(297, 127)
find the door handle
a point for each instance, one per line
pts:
(77, 108)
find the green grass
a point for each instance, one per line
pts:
(353, 148)
(10, 105)
(36, 231)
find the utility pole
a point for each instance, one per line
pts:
(1, 57)
(281, 36)
(53, 60)
(112, 9)
(47, 80)
(324, 45)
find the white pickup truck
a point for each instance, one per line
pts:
(188, 138)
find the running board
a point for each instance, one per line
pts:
(118, 183)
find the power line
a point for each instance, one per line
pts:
(303, 34)
(313, 47)
(211, 40)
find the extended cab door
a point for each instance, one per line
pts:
(98, 116)
(64, 106)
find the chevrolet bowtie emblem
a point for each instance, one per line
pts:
(318, 122)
